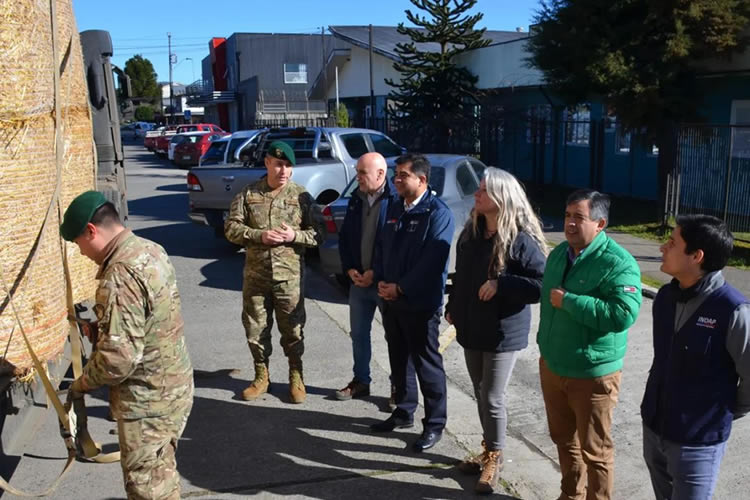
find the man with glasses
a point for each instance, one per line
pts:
(411, 266)
(591, 295)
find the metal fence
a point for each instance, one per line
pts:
(712, 174)
(712, 162)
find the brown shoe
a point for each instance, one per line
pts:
(297, 393)
(472, 465)
(491, 467)
(353, 390)
(259, 385)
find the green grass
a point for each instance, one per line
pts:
(631, 216)
(653, 282)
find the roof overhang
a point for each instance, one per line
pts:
(336, 59)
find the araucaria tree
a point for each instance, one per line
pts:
(640, 57)
(435, 96)
(142, 78)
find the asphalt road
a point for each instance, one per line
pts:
(323, 449)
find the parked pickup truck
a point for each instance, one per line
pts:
(326, 159)
(149, 141)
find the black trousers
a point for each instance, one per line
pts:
(413, 347)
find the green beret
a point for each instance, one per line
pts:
(79, 213)
(280, 149)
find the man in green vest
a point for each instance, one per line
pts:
(591, 295)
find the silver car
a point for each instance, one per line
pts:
(454, 178)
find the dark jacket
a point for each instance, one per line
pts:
(503, 323)
(413, 252)
(350, 235)
(700, 346)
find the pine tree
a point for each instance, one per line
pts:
(435, 97)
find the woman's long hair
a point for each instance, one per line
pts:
(514, 214)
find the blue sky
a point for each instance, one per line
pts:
(140, 27)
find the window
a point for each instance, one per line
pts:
(538, 118)
(384, 145)
(578, 124)
(622, 139)
(355, 145)
(215, 153)
(466, 180)
(741, 131)
(478, 167)
(295, 73)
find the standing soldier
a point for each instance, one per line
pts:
(275, 220)
(140, 352)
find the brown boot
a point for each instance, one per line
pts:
(259, 385)
(297, 391)
(472, 465)
(491, 467)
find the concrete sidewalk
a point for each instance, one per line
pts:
(647, 253)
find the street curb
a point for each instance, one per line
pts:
(648, 291)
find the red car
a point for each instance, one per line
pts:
(188, 153)
(199, 127)
(149, 142)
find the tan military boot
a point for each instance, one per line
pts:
(259, 385)
(491, 467)
(297, 391)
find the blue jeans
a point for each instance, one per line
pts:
(362, 305)
(679, 471)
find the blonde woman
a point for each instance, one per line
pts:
(499, 268)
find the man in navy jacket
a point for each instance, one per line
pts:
(362, 227)
(411, 267)
(699, 381)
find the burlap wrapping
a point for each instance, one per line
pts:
(28, 176)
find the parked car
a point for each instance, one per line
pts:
(174, 141)
(140, 129)
(216, 152)
(240, 143)
(149, 142)
(326, 159)
(188, 152)
(161, 144)
(199, 127)
(454, 178)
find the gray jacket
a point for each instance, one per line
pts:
(738, 336)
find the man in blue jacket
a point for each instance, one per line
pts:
(363, 223)
(411, 268)
(699, 381)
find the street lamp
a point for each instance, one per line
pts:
(192, 66)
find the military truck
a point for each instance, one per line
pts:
(97, 50)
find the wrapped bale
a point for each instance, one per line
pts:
(31, 250)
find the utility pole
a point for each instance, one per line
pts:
(171, 104)
(323, 66)
(372, 90)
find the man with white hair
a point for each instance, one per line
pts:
(364, 220)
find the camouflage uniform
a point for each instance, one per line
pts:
(141, 354)
(273, 275)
